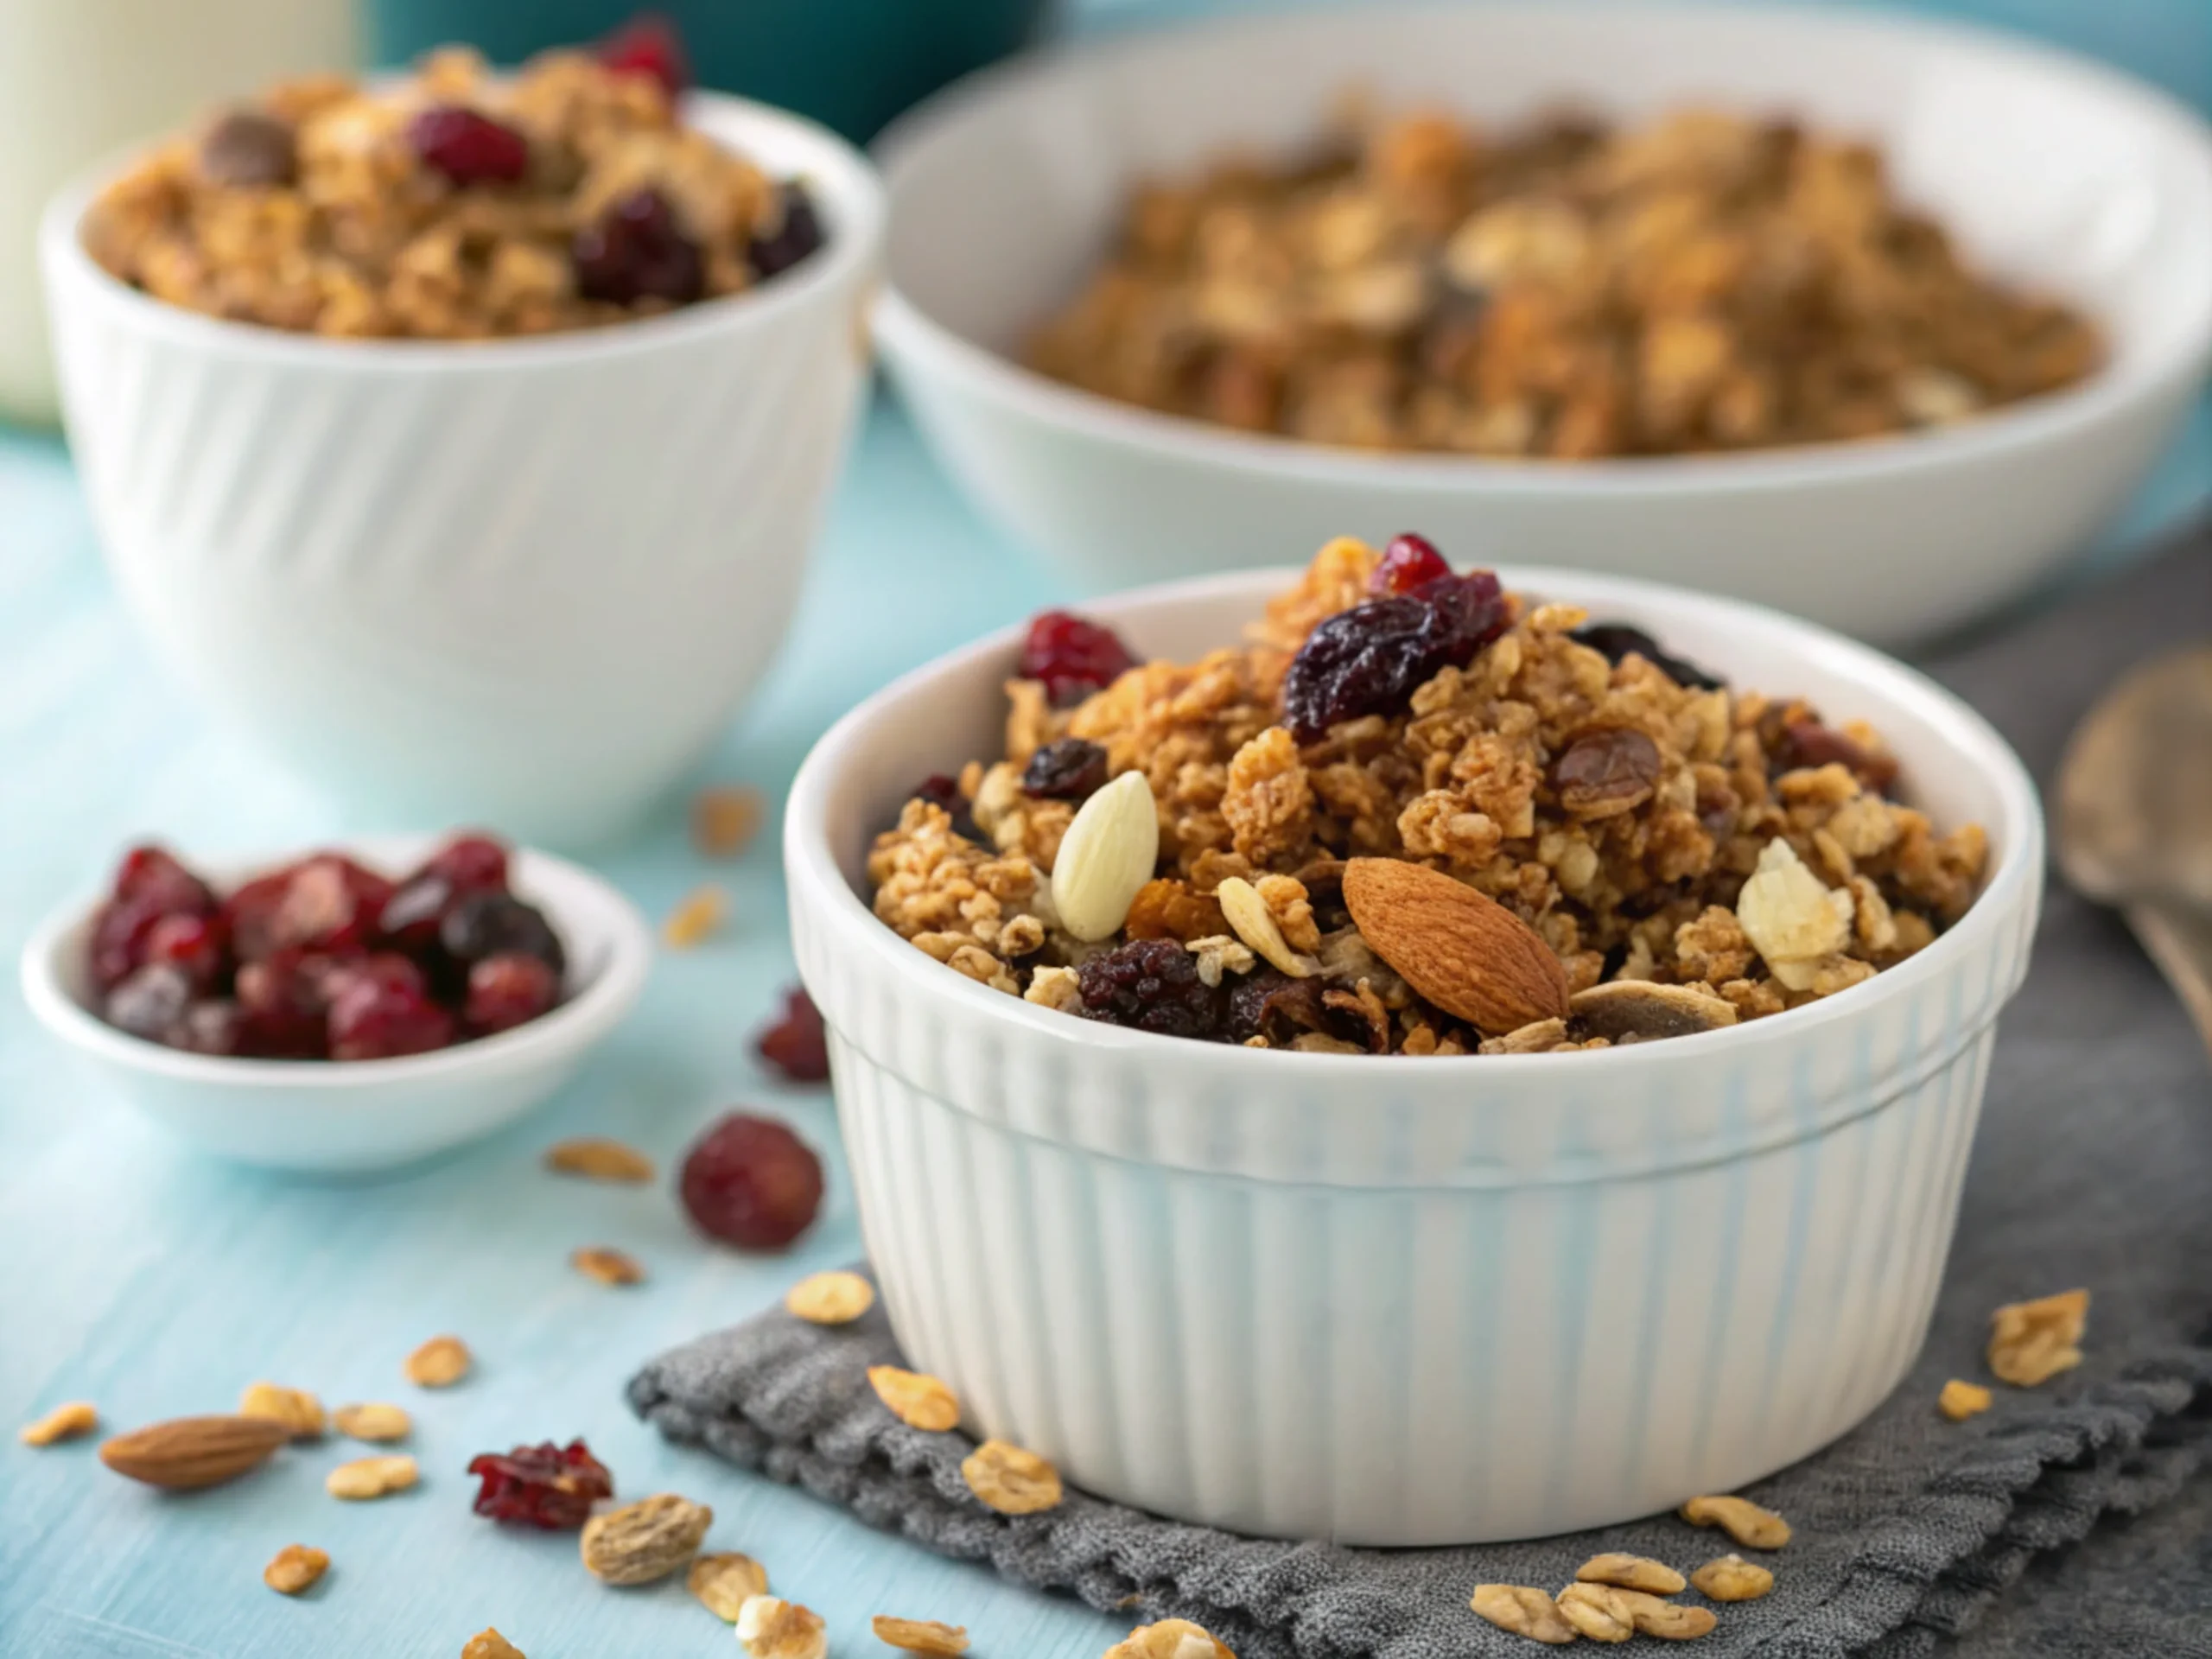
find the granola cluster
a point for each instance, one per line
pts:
(452, 205)
(1704, 282)
(1688, 854)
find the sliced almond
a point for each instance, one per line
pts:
(188, 1452)
(920, 1635)
(725, 818)
(915, 1398)
(367, 1477)
(371, 1423)
(1107, 853)
(608, 1266)
(65, 1422)
(698, 916)
(1463, 952)
(1011, 1479)
(725, 1582)
(830, 1298)
(597, 1158)
(1256, 925)
(1961, 1400)
(298, 1410)
(440, 1363)
(294, 1568)
(1640, 1011)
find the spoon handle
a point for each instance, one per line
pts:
(2180, 942)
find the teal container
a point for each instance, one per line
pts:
(850, 64)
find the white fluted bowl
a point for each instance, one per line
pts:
(1408, 1301)
(523, 582)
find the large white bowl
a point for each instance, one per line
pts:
(1408, 1301)
(330, 1116)
(523, 582)
(2053, 170)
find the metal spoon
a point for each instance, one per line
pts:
(2135, 815)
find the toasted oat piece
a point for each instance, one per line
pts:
(438, 1363)
(490, 1644)
(608, 1265)
(1731, 1577)
(368, 1477)
(2032, 1342)
(297, 1409)
(1741, 1519)
(65, 1422)
(920, 1635)
(769, 1627)
(725, 818)
(1524, 1610)
(1171, 1638)
(598, 1159)
(698, 916)
(915, 1398)
(725, 1582)
(830, 1298)
(371, 1423)
(294, 1568)
(1010, 1478)
(1632, 1572)
(1962, 1400)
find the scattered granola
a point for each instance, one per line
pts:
(490, 1644)
(300, 1412)
(368, 1477)
(1413, 814)
(1704, 281)
(920, 1635)
(2032, 1342)
(608, 1266)
(454, 204)
(371, 1421)
(1171, 1638)
(915, 1398)
(1523, 1609)
(438, 1363)
(1731, 1577)
(295, 1569)
(830, 1298)
(1961, 1400)
(769, 1627)
(725, 1582)
(1741, 1519)
(698, 916)
(1632, 1572)
(725, 819)
(597, 1158)
(645, 1541)
(66, 1422)
(1010, 1479)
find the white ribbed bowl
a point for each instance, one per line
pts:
(1416, 1302)
(522, 582)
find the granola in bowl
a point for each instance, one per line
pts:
(1413, 813)
(1707, 281)
(452, 203)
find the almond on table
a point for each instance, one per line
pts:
(597, 1158)
(609, 1267)
(371, 1478)
(371, 1423)
(725, 819)
(295, 1569)
(65, 1422)
(698, 916)
(440, 1363)
(1011, 1479)
(836, 1298)
(188, 1452)
(915, 1398)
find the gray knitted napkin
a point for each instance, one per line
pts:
(2093, 1166)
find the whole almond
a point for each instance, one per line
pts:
(1463, 952)
(1107, 853)
(188, 1452)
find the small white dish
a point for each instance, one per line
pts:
(1408, 1301)
(351, 1116)
(2050, 170)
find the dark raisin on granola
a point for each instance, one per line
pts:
(1606, 772)
(1804, 742)
(1372, 658)
(796, 235)
(1067, 769)
(636, 251)
(247, 150)
(941, 789)
(1149, 985)
(1615, 640)
(1272, 1005)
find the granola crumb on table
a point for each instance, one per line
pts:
(1704, 281)
(1643, 825)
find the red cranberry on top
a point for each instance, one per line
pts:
(468, 146)
(649, 45)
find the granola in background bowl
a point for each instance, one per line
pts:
(1414, 814)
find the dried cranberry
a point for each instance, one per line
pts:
(1149, 985)
(1616, 640)
(749, 1181)
(494, 923)
(1809, 743)
(327, 903)
(473, 863)
(941, 789)
(543, 1485)
(1072, 655)
(797, 233)
(249, 149)
(1370, 659)
(1408, 562)
(466, 864)
(508, 990)
(468, 146)
(380, 1009)
(796, 1044)
(1272, 1004)
(152, 875)
(649, 45)
(150, 1003)
(283, 1008)
(636, 251)
(120, 930)
(196, 944)
(1606, 772)
(214, 1027)
(1067, 769)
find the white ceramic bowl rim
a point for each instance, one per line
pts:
(2017, 836)
(847, 187)
(909, 329)
(612, 987)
